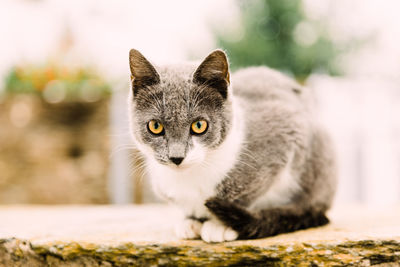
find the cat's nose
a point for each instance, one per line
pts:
(177, 161)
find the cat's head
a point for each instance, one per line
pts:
(180, 113)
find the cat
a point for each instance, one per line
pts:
(243, 159)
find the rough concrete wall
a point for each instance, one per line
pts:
(53, 153)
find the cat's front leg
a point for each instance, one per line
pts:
(209, 231)
(188, 228)
(214, 230)
(207, 227)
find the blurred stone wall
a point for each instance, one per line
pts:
(53, 153)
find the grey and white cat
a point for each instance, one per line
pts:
(243, 157)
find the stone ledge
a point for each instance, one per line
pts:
(15, 252)
(143, 236)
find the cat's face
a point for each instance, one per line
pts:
(180, 114)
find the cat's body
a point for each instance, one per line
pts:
(262, 167)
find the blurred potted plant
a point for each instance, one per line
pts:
(54, 145)
(74, 93)
(277, 33)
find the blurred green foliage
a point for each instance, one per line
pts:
(277, 33)
(57, 83)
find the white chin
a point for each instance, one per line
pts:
(182, 166)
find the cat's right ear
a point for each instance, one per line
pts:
(142, 72)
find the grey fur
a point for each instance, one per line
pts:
(280, 130)
(279, 124)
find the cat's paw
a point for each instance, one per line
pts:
(215, 231)
(188, 229)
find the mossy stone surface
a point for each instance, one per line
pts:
(137, 236)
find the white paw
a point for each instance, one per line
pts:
(215, 231)
(188, 229)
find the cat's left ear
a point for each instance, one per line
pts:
(214, 72)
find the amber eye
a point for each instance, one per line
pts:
(155, 127)
(199, 127)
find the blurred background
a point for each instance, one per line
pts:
(64, 80)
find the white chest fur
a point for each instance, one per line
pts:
(190, 187)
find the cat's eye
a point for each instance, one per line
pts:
(199, 127)
(155, 127)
